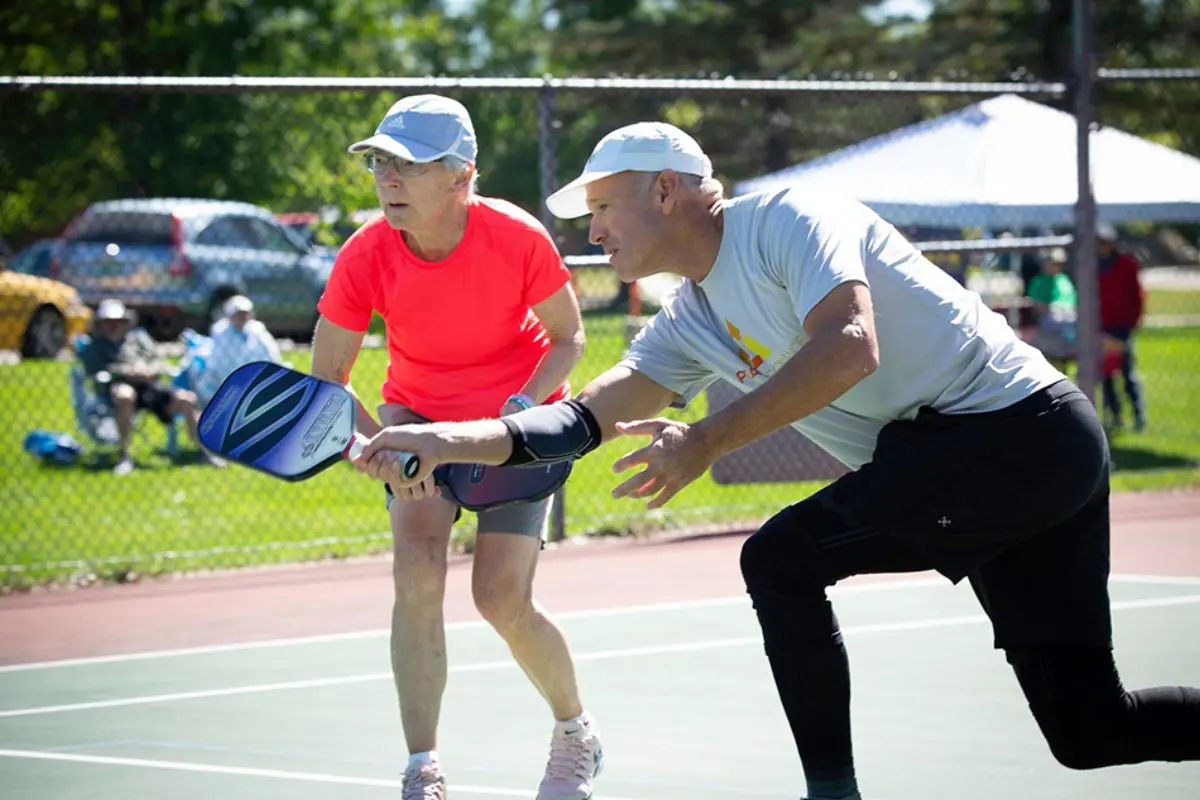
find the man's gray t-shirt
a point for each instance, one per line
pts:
(783, 252)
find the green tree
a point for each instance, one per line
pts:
(1006, 39)
(61, 150)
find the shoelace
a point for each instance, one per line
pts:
(422, 784)
(570, 758)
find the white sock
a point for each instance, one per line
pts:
(419, 760)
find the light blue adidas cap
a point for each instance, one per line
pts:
(423, 128)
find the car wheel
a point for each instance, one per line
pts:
(46, 334)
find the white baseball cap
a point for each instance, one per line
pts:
(424, 128)
(111, 308)
(238, 303)
(641, 147)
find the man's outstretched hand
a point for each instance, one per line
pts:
(676, 455)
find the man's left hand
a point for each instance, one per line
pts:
(677, 455)
(380, 457)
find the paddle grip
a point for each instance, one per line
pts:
(412, 462)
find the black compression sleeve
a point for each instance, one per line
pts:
(547, 434)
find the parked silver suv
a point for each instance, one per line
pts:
(175, 261)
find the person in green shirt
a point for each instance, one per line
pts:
(1054, 305)
(1052, 288)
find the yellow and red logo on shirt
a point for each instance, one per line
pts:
(752, 353)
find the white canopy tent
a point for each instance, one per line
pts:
(1004, 163)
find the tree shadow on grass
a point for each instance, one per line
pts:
(1128, 457)
(163, 459)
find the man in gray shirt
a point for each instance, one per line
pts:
(827, 319)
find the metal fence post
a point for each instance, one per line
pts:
(547, 152)
(1085, 208)
(547, 182)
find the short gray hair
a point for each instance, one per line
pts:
(461, 168)
(708, 186)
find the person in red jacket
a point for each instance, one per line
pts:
(1121, 304)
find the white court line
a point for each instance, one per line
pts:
(308, 777)
(1162, 580)
(603, 655)
(374, 633)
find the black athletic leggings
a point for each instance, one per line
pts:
(1075, 694)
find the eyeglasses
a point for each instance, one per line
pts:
(379, 163)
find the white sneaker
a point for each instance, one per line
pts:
(124, 466)
(576, 758)
(424, 782)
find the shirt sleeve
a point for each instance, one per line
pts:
(346, 301)
(810, 253)
(137, 351)
(545, 272)
(1040, 290)
(1136, 292)
(658, 353)
(91, 359)
(216, 364)
(270, 345)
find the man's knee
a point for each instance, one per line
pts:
(1073, 738)
(786, 575)
(784, 554)
(182, 402)
(1078, 703)
(123, 395)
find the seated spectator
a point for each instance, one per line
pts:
(123, 363)
(1055, 306)
(237, 339)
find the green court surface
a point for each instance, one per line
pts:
(682, 694)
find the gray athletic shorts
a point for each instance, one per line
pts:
(527, 519)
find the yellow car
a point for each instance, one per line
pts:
(38, 316)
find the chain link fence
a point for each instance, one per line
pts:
(274, 195)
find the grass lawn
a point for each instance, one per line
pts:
(1172, 304)
(78, 522)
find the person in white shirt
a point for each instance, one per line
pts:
(829, 320)
(237, 339)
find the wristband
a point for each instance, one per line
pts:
(521, 399)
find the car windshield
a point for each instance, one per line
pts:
(34, 260)
(126, 227)
(296, 237)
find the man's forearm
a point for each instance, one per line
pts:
(555, 368)
(134, 373)
(485, 441)
(822, 371)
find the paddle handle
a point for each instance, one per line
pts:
(412, 461)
